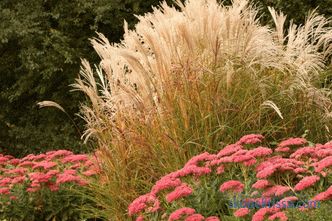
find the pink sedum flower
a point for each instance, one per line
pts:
(229, 149)
(260, 152)
(277, 190)
(140, 218)
(52, 173)
(18, 179)
(292, 142)
(233, 185)
(261, 184)
(250, 139)
(241, 212)
(140, 204)
(58, 153)
(193, 170)
(5, 181)
(26, 164)
(306, 182)
(326, 195)
(44, 164)
(250, 162)
(39, 177)
(279, 215)
(220, 169)
(242, 158)
(179, 213)
(181, 191)
(282, 149)
(212, 218)
(266, 172)
(53, 187)
(66, 178)
(280, 190)
(166, 182)
(20, 171)
(261, 213)
(75, 158)
(4, 191)
(324, 163)
(14, 162)
(32, 189)
(283, 203)
(200, 158)
(90, 172)
(304, 151)
(195, 217)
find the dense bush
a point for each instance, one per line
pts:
(40, 187)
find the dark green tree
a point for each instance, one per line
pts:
(41, 43)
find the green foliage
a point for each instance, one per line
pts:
(41, 43)
(297, 9)
(44, 205)
(323, 213)
(45, 186)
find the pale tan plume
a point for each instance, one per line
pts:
(133, 75)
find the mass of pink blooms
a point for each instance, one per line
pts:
(50, 170)
(304, 165)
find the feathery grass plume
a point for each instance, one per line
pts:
(202, 37)
(188, 77)
(272, 105)
(42, 104)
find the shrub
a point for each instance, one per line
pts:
(40, 187)
(243, 179)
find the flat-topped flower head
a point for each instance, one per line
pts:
(306, 182)
(195, 217)
(250, 139)
(241, 212)
(179, 213)
(292, 142)
(140, 204)
(324, 163)
(212, 218)
(279, 215)
(326, 195)
(180, 191)
(232, 185)
(261, 184)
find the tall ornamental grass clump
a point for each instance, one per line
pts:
(193, 75)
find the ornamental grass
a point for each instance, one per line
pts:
(191, 76)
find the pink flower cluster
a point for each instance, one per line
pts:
(49, 170)
(233, 185)
(190, 215)
(290, 157)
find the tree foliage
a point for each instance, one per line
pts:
(41, 43)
